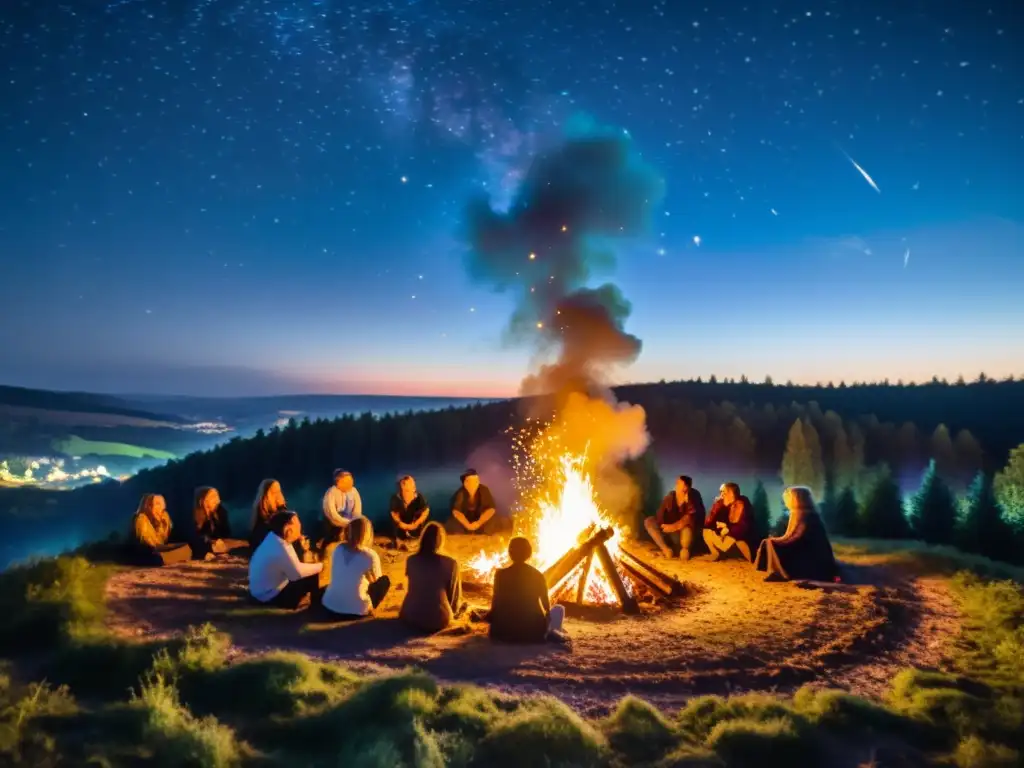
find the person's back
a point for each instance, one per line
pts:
(433, 586)
(518, 612)
(347, 592)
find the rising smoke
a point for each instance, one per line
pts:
(555, 237)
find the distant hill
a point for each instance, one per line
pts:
(77, 408)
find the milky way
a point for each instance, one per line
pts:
(166, 161)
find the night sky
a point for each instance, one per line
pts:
(235, 197)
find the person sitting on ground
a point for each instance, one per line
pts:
(276, 575)
(211, 533)
(409, 512)
(151, 531)
(435, 584)
(268, 502)
(473, 508)
(680, 515)
(342, 502)
(357, 586)
(730, 524)
(804, 551)
(521, 610)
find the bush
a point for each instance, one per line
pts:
(639, 730)
(881, 515)
(933, 510)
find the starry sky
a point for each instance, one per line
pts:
(243, 197)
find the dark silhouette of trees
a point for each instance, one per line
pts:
(933, 510)
(882, 516)
(983, 530)
(941, 451)
(845, 516)
(762, 513)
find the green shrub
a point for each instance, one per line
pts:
(973, 752)
(700, 715)
(639, 731)
(747, 741)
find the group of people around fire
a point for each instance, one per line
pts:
(341, 573)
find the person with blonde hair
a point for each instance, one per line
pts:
(434, 595)
(357, 585)
(211, 533)
(268, 502)
(151, 531)
(804, 551)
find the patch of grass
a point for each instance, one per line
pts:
(639, 730)
(700, 716)
(843, 712)
(745, 741)
(178, 737)
(974, 752)
(923, 559)
(50, 603)
(74, 445)
(22, 741)
(993, 648)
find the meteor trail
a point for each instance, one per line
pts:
(864, 173)
(906, 258)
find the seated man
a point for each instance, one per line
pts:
(473, 508)
(276, 575)
(151, 530)
(341, 503)
(409, 513)
(521, 610)
(681, 514)
(730, 523)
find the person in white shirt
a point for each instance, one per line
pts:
(276, 575)
(342, 503)
(357, 586)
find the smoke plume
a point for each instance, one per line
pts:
(544, 249)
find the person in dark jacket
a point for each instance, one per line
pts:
(521, 610)
(409, 512)
(434, 595)
(472, 508)
(730, 524)
(680, 515)
(804, 551)
(151, 532)
(211, 532)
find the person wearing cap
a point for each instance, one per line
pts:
(472, 508)
(342, 502)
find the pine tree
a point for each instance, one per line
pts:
(846, 514)
(983, 530)
(933, 509)
(801, 464)
(828, 502)
(969, 456)
(762, 513)
(941, 451)
(1009, 488)
(882, 516)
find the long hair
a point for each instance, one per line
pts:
(799, 497)
(146, 504)
(432, 539)
(261, 510)
(359, 534)
(199, 512)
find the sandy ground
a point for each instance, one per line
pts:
(733, 633)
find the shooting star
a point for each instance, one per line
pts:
(906, 258)
(865, 174)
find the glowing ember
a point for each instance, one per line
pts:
(563, 512)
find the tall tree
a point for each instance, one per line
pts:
(802, 464)
(1009, 488)
(846, 516)
(741, 442)
(762, 512)
(882, 516)
(941, 451)
(847, 463)
(933, 509)
(983, 530)
(969, 456)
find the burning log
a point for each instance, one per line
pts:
(584, 553)
(673, 587)
(567, 562)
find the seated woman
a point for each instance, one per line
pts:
(803, 552)
(276, 575)
(151, 529)
(409, 512)
(357, 586)
(211, 534)
(268, 502)
(435, 584)
(521, 611)
(473, 508)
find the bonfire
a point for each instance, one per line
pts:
(562, 516)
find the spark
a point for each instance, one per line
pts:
(405, 179)
(906, 258)
(565, 228)
(534, 255)
(540, 325)
(864, 173)
(696, 240)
